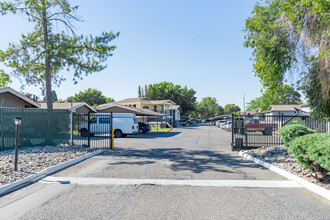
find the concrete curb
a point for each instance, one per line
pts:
(308, 185)
(31, 179)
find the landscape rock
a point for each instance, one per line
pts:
(278, 156)
(32, 160)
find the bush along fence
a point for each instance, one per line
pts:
(38, 127)
(310, 148)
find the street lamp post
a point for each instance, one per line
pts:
(17, 121)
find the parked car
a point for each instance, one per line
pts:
(144, 128)
(220, 122)
(123, 124)
(228, 125)
(265, 127)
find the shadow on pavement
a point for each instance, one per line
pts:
(197, 161)
(150, 135)
(154, 134)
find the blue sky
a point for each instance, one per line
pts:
(198, 44)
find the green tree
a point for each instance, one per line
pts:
(259, 102)
(54, 96)
(145, 90)
(168, 91)
(209, 108)
(139, 92)
(313, 89)
(231, 108)
(41, 54)
(292, 36)
(92, 97)
(4, 79)
(284, 95)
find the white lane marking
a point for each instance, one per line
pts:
(167, 182)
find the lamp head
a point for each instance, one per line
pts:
(18, 120)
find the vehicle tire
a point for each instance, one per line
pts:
(268, 132)
(118, 134)
(141, 131)
(84, 132)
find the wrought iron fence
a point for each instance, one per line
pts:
(156, 122)
(252, 131)
(92, 130)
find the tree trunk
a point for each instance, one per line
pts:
(48, 76)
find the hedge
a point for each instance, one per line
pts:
(312, 150)
(290, 132)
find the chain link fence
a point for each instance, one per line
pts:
(38, 127)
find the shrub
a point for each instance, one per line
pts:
(312, 150)
(290, 132)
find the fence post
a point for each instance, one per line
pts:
(71, 127)
(88, 133)
(232, 129)
(2, 137)
(245, 132)
(111, 131)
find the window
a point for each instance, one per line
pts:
(145, 107)
(155, 108)
(104, 120)
(134, 106)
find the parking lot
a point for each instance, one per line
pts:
(188, 173)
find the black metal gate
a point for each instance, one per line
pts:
(252, 131)
(92, 130)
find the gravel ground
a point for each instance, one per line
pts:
(278, 156)
(35, 159)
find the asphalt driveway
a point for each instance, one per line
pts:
(189, 173)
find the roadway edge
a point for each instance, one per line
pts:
(37, 176)
(308, 185)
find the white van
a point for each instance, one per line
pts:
(123, 124)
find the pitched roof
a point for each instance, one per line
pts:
(134, 100)
(177, 107)
(302, 113)
(19, 95)
(162, 102)
(143, 100)
(137, 111)
(284, 108)
(67, 105)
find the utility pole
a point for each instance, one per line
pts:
(244, 103)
